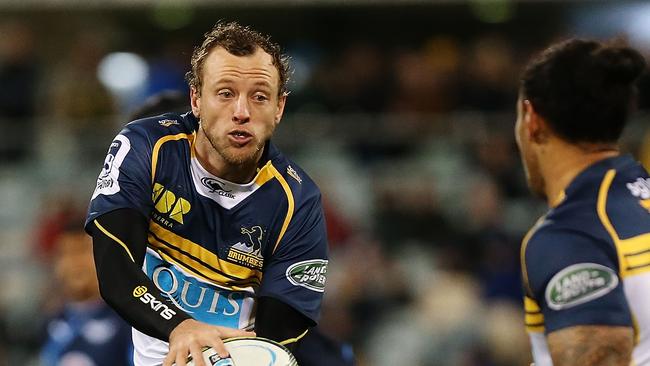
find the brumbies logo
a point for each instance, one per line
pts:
(217, 187)
(249, 252)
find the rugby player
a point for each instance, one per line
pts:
(586, 263)
(202, 229)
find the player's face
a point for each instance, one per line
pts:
(528, 157)
(239, 104)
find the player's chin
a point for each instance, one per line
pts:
(242, 155)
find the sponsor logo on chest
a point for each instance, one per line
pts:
(169, 208)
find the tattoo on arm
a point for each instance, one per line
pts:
(591, 345)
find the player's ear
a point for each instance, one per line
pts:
(536, 126)
(282, 101)
(195, 101)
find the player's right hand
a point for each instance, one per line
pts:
(190, 336)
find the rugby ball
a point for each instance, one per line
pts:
(249, 351)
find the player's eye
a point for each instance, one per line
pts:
(225, 93)
(260, 97)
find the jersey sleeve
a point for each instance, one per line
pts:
(125, 178)
(574, 278)
(296, 271)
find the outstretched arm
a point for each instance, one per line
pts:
(591, 345)
(119, 241)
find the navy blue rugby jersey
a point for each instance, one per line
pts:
(587, 261)
(213, 245)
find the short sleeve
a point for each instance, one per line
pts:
(296, 272)
(125, 178)
(574, 278)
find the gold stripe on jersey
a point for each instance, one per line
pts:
(115, 238)
(524, 245)
(196, 266)
(239, 287)
(265, 174)
(290, 204)
(158, 145)
(200, 259)
(294, 340)
(534, 319)
(633, 253)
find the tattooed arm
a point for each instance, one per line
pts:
(591, 346)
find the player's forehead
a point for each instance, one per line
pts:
(222, 65)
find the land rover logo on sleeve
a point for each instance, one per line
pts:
(578, 284)
(310, 274)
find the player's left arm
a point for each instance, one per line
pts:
(591, 345)
(294, 278)
(280, 322)
(574, 278)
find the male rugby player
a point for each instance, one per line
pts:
(202, 228)
(586, 263)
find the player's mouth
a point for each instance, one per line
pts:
(240, 137)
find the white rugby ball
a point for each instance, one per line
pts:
(250, 351)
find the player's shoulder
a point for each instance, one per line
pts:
(301, 185)
(560, 242)
(625, 199)
(158, 127)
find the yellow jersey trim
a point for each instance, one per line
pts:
(524, 245)
(290, 204)
(624, 248)
(533, 318)
(294, 340)
(156, 150)
(115, 238)
(265, 174)
(238, 287)
(203, 261)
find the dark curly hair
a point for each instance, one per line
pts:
(583, 88)
(239, 41)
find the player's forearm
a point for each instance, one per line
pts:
(591, 346)
(124, 286)
(280, 322)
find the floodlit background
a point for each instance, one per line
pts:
(402, 112)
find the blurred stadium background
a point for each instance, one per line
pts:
(402, 111)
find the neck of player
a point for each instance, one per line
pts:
(214, 163)
(566, 161)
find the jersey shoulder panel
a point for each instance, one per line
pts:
(627, 200)
(302, 187)
(553, 247)
(168, 124)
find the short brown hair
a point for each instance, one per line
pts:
(239, 41)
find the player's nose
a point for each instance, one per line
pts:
(241, 113)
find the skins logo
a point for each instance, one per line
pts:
(310, 274)
(216, 186)
(249, 252)
(140, 292)
(578, 284)
(166, 202)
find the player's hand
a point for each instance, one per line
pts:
(190, 336)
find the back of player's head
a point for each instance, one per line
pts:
(239, 41)
(584, 89)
